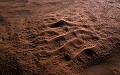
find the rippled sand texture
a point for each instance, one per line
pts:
(59, 37)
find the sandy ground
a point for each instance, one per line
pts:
(59, 37)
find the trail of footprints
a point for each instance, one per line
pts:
(72, 43)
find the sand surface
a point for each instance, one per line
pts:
(59, 37)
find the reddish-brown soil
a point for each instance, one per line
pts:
(59, 37)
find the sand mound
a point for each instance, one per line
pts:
(61, 23)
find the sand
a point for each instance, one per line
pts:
(59, 37)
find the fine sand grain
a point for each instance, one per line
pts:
(59, 37)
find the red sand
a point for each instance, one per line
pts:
(59, 37)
